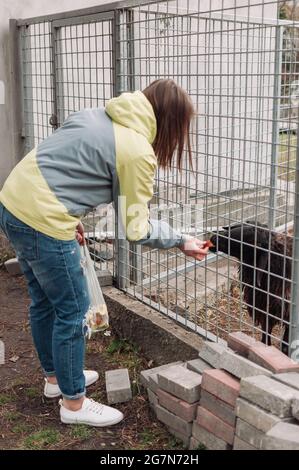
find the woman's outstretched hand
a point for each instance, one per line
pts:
(195, 248)
(80, 234)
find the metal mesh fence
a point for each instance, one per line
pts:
(238, 60)
(37, 81)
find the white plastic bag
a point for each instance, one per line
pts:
(96, 318)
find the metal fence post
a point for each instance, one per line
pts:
(120, 76)
(27, 68)
(17, 95)
(294, 317)
(135, 251)
(275, 126)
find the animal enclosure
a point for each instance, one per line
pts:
(238, 60)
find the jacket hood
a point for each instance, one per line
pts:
(133, 110)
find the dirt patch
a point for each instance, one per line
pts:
(30, 421)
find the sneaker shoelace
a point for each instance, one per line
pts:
(94, 406)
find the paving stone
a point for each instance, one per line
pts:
(239, 444)
(288, 378)
(153, 383)
(173, 422)
(256, 416)
(295, 408)
(222, 385)
(249, 433)
(181, 382)
(218, 407)
(181, 408)
(215, 425)
(195, 444)
(209, 440)
(283, 436)
(198, 365)
(118, 386)
(144, 375)
(269, 394)
(240, 342)
(211, 353)
(181, 437)
(273, 359)
(240, 366)
(152, 398)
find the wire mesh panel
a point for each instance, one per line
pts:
(83, 63)
(238, 60)
(37, 81)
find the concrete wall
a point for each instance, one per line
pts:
(21, 9)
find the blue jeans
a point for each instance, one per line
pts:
(59, 301)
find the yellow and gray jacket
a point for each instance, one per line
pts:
(96, 156)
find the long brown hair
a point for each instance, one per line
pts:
(174, 111)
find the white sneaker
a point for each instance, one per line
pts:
(53, 390)
(91, 413)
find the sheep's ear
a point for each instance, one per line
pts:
(261, 264)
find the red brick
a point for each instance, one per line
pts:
(222, 385)
(215, 425)
(180, 408)
(273, 359)
(240, 343)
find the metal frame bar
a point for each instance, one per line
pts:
(294, 314)
(122, 246)
(136, 3)
(275, 126)
(74, 20)
(17, 106)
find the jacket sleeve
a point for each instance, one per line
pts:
(136, 180)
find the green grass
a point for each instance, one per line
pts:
(287, 157)
(81, 432)
(150, 438)
(127, 354)
(118, 346)
(42, 439)
(4, 399)
(12, 416)
(22, 428)
(147, 436)
(32, 392)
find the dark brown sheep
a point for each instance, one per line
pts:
(265, 272)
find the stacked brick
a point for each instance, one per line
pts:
(266, 416)
(214, 427)
(242, 397)
(174, 393)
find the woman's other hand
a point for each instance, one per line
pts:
(195, 248)
(80, 234)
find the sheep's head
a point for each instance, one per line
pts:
(247, 242)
